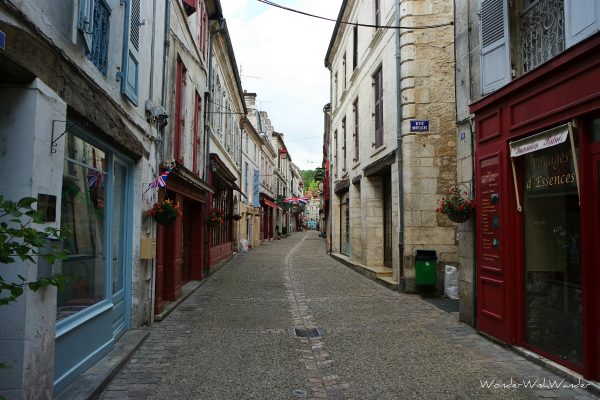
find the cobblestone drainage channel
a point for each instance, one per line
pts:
(306, 332)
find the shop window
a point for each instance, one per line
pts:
(552, 254)
(595, 131)
(83, 215)
(96, 230)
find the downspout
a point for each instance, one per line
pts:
(400, 156)
(474, 279)
(152, 49)
(161, 140)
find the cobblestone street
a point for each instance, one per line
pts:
(233, 338)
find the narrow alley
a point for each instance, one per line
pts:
(235, 338)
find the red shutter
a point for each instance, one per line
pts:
(196, 118)
(190, 6)
(177, 126)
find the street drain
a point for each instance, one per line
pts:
(306, 332)
(300, 393)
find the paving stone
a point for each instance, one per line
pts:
(229, 340)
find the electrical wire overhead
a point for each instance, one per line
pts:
(272, 4)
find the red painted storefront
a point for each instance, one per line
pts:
(538, 267)
(180, 255)
(221, 236)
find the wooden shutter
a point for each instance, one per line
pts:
(131, 46)
(378, 107)
(189, 6)
(85, 22)
(495, 45)
(582, 19)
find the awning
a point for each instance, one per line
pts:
(268, 203)
(540, 141)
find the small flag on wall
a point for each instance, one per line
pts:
(160, 181)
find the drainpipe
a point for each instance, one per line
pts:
(399, 155)
(161, 141)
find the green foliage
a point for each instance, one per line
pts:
(308, 177)
(20, 241)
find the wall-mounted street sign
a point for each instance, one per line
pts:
(419, 125)
(2, 40)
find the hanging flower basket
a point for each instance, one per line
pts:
(164, 212)
(215, 217)
(459, 207)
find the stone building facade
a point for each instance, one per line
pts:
(386, 179)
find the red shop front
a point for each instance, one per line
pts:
(537, 162)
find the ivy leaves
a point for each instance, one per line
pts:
(19, 240)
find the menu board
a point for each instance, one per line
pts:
(490, 218)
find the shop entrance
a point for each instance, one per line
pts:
(552, 243)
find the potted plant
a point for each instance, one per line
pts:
(459, 207)
(164, 212)
(284, 231)
(215, 217)
(277, 231)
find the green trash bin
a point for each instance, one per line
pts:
(425, 267)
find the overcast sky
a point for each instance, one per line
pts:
(281, 58)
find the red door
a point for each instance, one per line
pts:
(496, 215)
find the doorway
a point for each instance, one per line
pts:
(387, 221)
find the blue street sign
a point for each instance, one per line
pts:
(419, 125)
(2, 40)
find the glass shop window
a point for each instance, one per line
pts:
(83, 215)
(552, 254)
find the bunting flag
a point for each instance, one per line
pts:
(160, 181)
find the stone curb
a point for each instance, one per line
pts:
(92, 382)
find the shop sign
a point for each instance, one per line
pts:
(550, 171)
(540, 141)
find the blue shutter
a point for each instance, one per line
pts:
(495, 45)
(131, 45)
(85, 22)
(582, 19)
(256, 189)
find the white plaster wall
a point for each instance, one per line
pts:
(27, 344)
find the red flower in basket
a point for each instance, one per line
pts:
(459, 207)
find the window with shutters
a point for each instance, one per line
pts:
(344, 143)
(378, 114)
(131, 45)
(344, 69)
(202, 28)
(179, 117)
(196, 163)
(354, 48)
(355, 133)
(335, 153)
(495, 46)
(94, 26)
